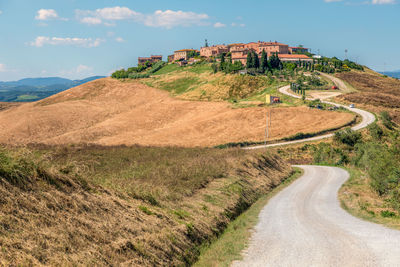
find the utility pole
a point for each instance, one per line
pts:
(266, 127)
(345, 53)
(268, 124)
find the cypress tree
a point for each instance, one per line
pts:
(249, 63)
(256, 60)
(264, 62)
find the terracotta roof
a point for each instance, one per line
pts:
(293, 56)
(236, 44)
(273, 43)
(298, 47)
(185, 50)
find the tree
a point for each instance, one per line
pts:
(264, 62)
(275, 62)
(250, 63)
(222, 58)
(256, 60)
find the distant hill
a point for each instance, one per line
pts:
(394, 74)
(33, 89)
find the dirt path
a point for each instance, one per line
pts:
(367, 119)
(304, 225)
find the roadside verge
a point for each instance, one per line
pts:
(229, 246)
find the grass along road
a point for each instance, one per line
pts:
(235, 238)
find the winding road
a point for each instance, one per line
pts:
(304, 225)
(367, 118)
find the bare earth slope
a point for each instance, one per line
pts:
(110, 112)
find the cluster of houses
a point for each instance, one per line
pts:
(239, 52)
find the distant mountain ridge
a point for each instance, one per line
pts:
(394, 74)
(33, 89)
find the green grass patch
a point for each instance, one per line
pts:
(179, 86)
(26, 97)
(352, 200)
(199, 68)
(167, 69)
(228, 247)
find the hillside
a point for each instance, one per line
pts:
(111, 112)
(375, 91)
(33, 89)
(124, 206)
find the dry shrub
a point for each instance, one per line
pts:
(141, 206)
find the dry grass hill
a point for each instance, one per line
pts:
(375, 91)
(111, 112)
(124, 206)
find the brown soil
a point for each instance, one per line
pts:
(375, 92)
(110, 112)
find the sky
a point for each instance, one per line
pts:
(80, 38)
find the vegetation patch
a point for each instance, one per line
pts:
(229, 246)
(93, 205)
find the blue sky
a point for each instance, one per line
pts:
(80, 38)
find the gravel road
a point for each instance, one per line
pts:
(367, 118)
(304, 225)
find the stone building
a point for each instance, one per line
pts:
(151, 59)
(213, 51)
(183, 54)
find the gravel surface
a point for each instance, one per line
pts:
(367, 118)
(304, 225)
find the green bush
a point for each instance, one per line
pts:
(138, 75)
(388, 214)
(157, 66)
(375, 131)
(348, 137)
(387, 120)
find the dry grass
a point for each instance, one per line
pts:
(375, 92)
(189, 85)
(8, 105)
(129, 206)
(111, 112)
(358, 198)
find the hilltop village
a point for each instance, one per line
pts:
(238, 52)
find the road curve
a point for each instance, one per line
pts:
(304, 225)
(367, 118)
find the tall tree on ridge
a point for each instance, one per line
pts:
(264, 62)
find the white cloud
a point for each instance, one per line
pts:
(81, 42)
(3, 68)
(1, 12)
(80, 71)
(119, 40)
(47, 14)
(83, 68)
(91, 20)
(107, 13)
(233, 24)
(383, 2)
(169, 19)
(219, 25)
(166, 19)
(330, 1)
